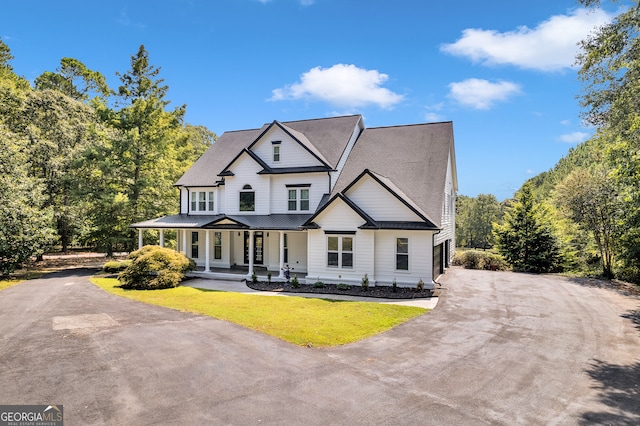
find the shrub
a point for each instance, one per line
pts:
(294, 282)
(254, 277)
(155, 267)
(365, 282)
(115, 266)
(394, 286)
(476, 259)
(318, 284)
(420, 286)
(343, 286)
(269, 277)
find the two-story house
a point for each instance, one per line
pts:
(328, 198)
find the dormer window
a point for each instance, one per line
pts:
(276, 151)
(247, 199)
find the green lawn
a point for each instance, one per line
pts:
(298, 320)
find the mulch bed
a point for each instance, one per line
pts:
(385, 292)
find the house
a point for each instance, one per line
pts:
(328, 198)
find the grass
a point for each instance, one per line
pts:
(19, 277)
(10, 282)
(298, 320)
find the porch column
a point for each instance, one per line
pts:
(140, 243)
(184, 241)
(162, 238)
(207, 235)
(281, 274)
(251, 253)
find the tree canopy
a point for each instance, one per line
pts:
(81, 161)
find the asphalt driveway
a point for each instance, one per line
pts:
(500, 348)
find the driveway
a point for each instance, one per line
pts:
(500, 348)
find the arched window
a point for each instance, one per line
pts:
(247, 199)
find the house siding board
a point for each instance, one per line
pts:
(420, 258)
(184, 200)
(379, 203)
(292, 154)
(245, 170)
(448, 209)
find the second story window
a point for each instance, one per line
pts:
(298, 199)
(202, 201)
(276, 151)
(247, 199)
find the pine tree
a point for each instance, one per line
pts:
(526, 239)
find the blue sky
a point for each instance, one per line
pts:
(501, 70)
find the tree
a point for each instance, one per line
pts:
(610, 71)
(590, 198)
(526, 239)
(25, 225)
(5, 56)
(474, 218)
(59, 130)
(75, 80)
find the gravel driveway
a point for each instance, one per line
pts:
(500, 348)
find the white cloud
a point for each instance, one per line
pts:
(551, 46)
(565, 122)
(482, 94)
(433, 117)
(575, 137)
(345, 86)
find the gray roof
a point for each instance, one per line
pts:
(414, 158)
(328, 137)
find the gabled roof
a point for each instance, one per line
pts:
(310, 221)
(298, 137)
(326, 138)
(387, 184)
(412, 160)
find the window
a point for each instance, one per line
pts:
(194, 245)
(402, 254)
(298, 199)
(304, 199)
(202, 201)
(217, 245)
(293, 202)
(340, 252)
(276, 151)
(247, 199)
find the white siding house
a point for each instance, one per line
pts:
(327, 198)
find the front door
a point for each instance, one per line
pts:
(258, 246)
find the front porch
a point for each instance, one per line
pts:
(232, 252)
(235, 273)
